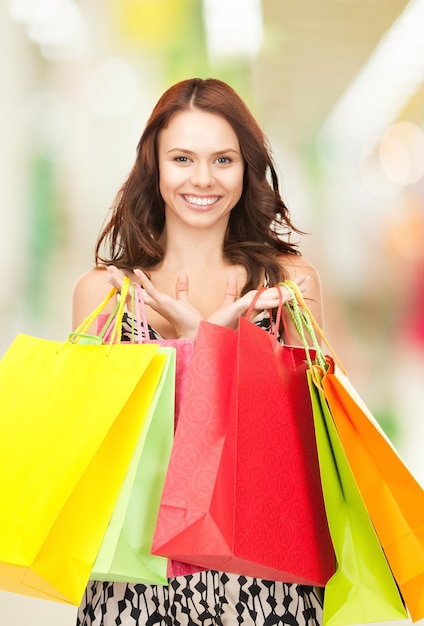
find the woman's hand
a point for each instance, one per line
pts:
(178, 311)
(234, 307)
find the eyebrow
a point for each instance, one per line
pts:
(224, 151)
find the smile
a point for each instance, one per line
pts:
(198, 201)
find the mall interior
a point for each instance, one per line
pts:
(338, 88)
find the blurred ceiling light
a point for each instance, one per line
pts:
(112, 88)
(56, 26)
(233, 28)
(377, 95)
(401, 153)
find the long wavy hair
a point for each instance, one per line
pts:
(259, 226)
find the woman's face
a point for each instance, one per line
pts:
(200, 169)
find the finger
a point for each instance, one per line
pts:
(141, 277)
(303, 278)
(285, 293)
(181, 286)
(231, 290)
(302, 282)
(151, 295)
(146, 283)
(115, 277)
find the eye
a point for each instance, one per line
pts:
(181, 159)
(223, 160)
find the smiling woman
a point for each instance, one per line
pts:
(201, 226)
(201, 170)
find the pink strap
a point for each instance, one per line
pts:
(140, 314)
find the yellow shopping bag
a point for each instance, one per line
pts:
(70, 418)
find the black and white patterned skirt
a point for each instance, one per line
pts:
(207, 598)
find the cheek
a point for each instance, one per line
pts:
(236, 183)
(170, 178)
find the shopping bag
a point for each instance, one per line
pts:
(363, 589)
(138, 332)
(125, 551)
(242, 492)
(392, 496)
(70, 418)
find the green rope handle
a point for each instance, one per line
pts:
(109, 321)
(301, 322)
(309, 320)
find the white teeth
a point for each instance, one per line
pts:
(201, 201)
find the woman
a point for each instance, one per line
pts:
(201, 225)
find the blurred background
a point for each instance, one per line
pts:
(338, 87)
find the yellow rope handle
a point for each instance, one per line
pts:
(302, 304)
(85, 324)
(115, 336)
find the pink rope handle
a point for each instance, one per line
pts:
(140, 314)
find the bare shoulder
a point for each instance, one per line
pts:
(96, 279)
(89, 291)
(297, 267)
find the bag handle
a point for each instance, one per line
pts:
(118, 312)
(139, 314)
(276, 326)
(303, 318)
(301, 323)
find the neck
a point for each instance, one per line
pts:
(193, 247)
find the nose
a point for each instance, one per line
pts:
(202, 175)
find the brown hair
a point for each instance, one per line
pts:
(259, 226)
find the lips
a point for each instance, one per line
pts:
(201, 201)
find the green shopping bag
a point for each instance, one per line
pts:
(363, 589)
(125, 551)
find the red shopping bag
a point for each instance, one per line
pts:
(243, 491)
